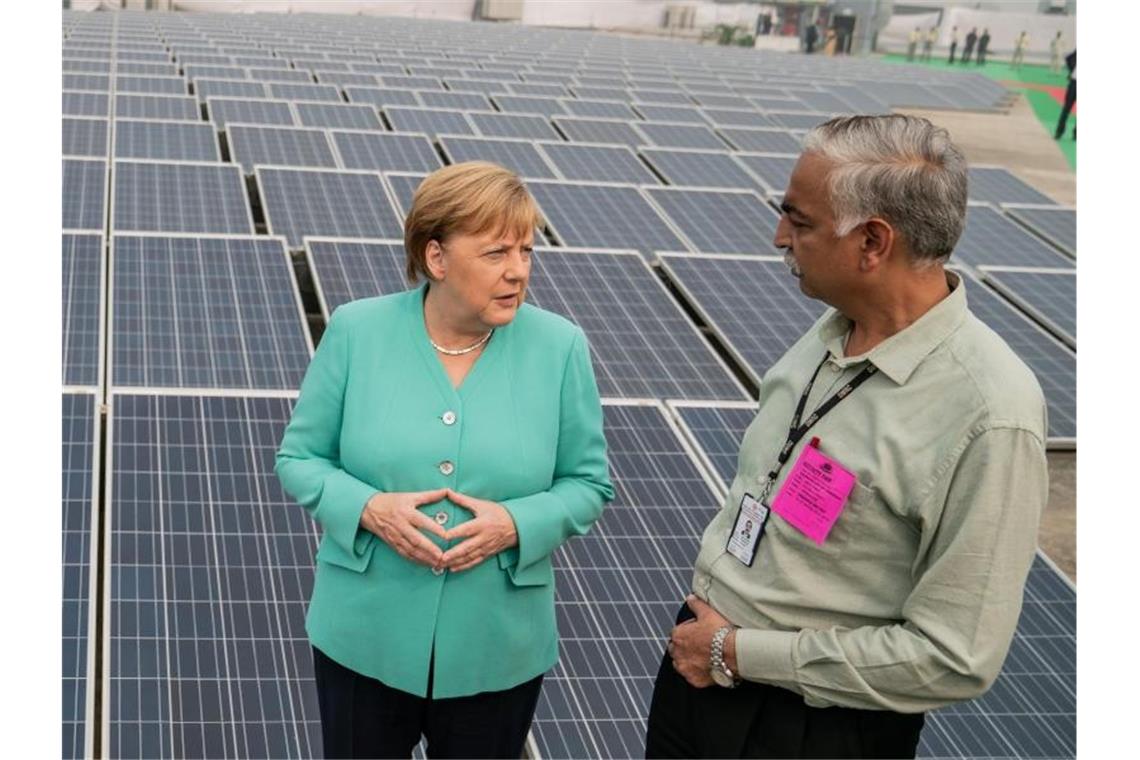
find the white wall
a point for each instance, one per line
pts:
(455, 10)
(1004, 28)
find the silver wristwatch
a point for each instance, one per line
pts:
(721, 674)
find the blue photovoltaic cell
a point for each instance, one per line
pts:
(403, 188)
(524, 104)
(603, 216)
(224, 110)
(996, 185)
(230, 88)
(304, 91)
(513, 125)
(730, 117)
(170, 107)
(774, 171)
(681, 136)
(85, 137)
(642, 343)
(212, 312)
(1048, 296)
(338, 115)
(599, 131)
(761, 140)
(301, 202)
(618, 590)
(1054, 365)
(346, 270)
(211, 568)
(1057, 224)
(83, 103)
(523, 158)
(429, 121)
(797, 120)
(699, 168)
(169, 197)
(84, 192)
(386, 151)
(382, 96)
(80, 437)
(601, 109)
(755, 306)
(82, 307)
(658, 112)
(1030, 711)
(151, 85)
(166, 140)
(279, 146)
(990, 238)
(598, 163)
(718, 221)
(463, 101)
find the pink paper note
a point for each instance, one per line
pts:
(814, 494)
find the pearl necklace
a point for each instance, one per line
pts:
(460, 351)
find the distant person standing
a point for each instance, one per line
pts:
(1055, 46)
(1070, 97)
(953, 43)
(983, 46)
(912, 45)
(810, 37)
(928, 43)
(832, 43)
(1019, 46)
(971, 40)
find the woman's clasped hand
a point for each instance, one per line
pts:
(396, 519)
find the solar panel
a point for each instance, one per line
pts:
(205, 312)
(1056, 224)
(410, 82)
(428, 121)
(587, 92)
(80, 464)
(737, 117)
(661, 97)
(463, 101)
(89, 82)
(642, 343)
(325, 93)
(997, 185)
(538, 89)
(382, 97)
(82, 308)
(597, 163)
(520, 156)
(765, 140)
(80, 103)
(344, 78)
(338, 115)
(230, 88)
(673, 113)
(716, 100)
(279, 75)
(403, 185)
(385, 151)
(279, 146)
(84, 193)
(1030, 711)
(753, 305)
(990, 238)
(601, 109)
(720, 220)
(345, 270)
(301, 202)
(274, 112)
(168, 107)
(1047, 295)
(179, 197)
(797, 119)
(151, 85)
(85, 137)
(207, 652)
(823, 102)
(699, 168)
(773, 169)
(166, 140)
(599, 130)
(513, 125)
(483, 86)
(693, 136)
(618, 590)
(1053, 363)
(603, 215)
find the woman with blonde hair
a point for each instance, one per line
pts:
(447, 439)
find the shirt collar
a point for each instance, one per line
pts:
(899, 355)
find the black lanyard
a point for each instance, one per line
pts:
(797, 431)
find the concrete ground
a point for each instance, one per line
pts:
(1018, 141)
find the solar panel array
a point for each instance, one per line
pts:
(207, 565)
(1047, 295)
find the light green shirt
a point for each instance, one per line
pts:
(912, 601)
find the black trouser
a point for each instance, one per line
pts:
(953, 47)
(363, 718)
(1070, 101)
(757, 720)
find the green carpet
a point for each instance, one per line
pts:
(1028, 79)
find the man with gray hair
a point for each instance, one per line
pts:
(894, 476)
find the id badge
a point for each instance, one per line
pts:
(814, 494)
(746, 531)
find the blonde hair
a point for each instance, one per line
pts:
(470, 198)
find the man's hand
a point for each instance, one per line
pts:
(393, 518)
(690, 644)
(492, 531)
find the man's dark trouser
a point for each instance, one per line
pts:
(1070, 101)
(953, 47)
(757, 720)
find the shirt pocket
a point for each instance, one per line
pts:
(873, 531)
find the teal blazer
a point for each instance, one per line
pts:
(526, 432)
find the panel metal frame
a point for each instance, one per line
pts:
(675, 405)
(108, 185)
(633, 154)
(322, 130)
(297, 114)
(766, 154)
(136, 120)
(1006, 208)
(318, 286)
(990, 275)
(731, 154)
(343, 163)
(219, 127)
(518, 140)
(225, 166)
(104, 295)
